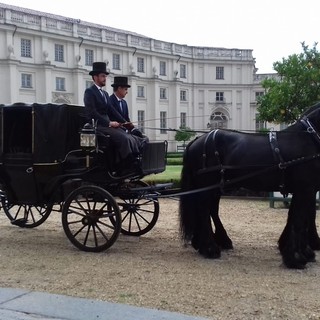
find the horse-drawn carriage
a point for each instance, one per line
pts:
(50, 161)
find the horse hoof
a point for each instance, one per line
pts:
(195, 244)
(298, 261)
(226, 246)
(309, 255)
(224, 243)
(294, 264)
(315, 244)
(210, 253)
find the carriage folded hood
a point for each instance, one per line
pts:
(47, 131)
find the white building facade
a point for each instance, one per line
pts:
(46, 58)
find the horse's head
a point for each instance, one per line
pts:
(312, 116)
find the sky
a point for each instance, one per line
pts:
(273, 29)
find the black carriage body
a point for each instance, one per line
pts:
(42, 164)
(40, 157)
(35, 139)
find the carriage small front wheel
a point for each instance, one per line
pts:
(139, 214)
(91, 218)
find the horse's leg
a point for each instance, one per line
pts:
(195, 224)
(293, 243)
(313, 237)
(221, 237)
(203, 238)
(282, 242)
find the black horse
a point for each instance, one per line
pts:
(287, 161)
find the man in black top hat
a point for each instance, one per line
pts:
(120, 90)
(98, 107)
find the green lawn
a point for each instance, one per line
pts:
(171, 173)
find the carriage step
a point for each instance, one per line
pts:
(19, 222)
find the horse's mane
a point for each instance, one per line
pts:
(244, 132)
(307, 112)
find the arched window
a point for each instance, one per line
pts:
(218, 120)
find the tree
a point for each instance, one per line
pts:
(184, 134)
(296, 88)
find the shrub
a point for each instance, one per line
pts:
(174, 154)
(174, 161)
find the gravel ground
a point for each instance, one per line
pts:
(158, 271)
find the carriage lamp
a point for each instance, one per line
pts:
(88, 137)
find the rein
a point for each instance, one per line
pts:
(276, 152)
(235, 180)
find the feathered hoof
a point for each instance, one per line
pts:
(226, 245)
(195, 243)
(315, 243)
(211, 252)
(223, 241)
(296, 262)
(295, 265)
(309, 255)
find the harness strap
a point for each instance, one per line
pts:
(219, 165)
(310, 128)
(275, 149)
(204, 153)
(278, 157)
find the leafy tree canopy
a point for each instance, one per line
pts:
(184, 134)
(296, 88)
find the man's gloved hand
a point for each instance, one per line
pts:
(128, 125)
(137, 132)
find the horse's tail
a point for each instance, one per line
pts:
(187, 202)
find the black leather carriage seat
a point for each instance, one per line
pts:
(154, 157)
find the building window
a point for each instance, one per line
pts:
(26, 48)
(141, 120)
(58, 52)
(220, 73)
(183, 71)
(218, 121)
(89, 57)
(140, 64)
(60, 84)
(163, 122)
(140, 90)
(163, 93)
(26, 80)
(183, 95)
(258, 95)
(260, 125)
(163, 68)
(116, 61)
(89, 83)
(219, 97)
(183, 120)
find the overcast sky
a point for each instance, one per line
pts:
(273, 29)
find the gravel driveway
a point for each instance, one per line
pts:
(158, 271)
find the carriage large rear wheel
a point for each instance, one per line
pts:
(25, 215)
(91, 218)
(139, 214)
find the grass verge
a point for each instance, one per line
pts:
(171, 174)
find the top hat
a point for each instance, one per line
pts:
(120, 82)
(98, 67)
